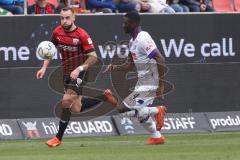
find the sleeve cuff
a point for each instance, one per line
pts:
(89, 51)
(153, 53)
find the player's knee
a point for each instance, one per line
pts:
(150, 125)
(75, 109)
(123, 109)
(143, 115)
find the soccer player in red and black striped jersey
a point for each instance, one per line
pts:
(78, 54)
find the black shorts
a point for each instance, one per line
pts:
(75, 85)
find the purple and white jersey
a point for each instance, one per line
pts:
(143, 49)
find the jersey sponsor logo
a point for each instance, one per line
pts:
(32, 130)
(90, 41)
(68, 48)
(135, 96)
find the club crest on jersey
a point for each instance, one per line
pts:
(149, 47)
(75, 41)
(59, 39)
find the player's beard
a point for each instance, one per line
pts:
(67, 27)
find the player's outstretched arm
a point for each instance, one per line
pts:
(41, 72)
(128, 65)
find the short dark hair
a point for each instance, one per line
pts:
(133, 16)
(67, 9)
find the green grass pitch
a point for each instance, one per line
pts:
(207, 146)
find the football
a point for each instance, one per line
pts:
(46, 50)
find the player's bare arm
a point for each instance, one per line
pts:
(41, 72)
(128, 65)
(160, 63)
(92, 59)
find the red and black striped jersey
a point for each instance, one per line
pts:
(73, 47)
